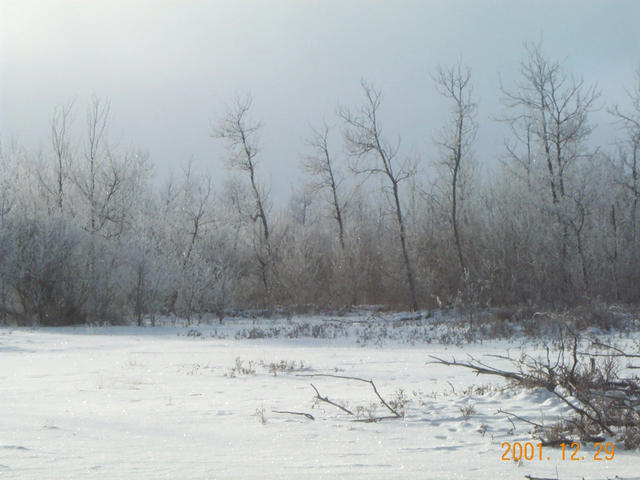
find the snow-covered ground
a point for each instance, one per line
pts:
(125, 402)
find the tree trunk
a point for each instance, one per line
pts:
(405, 253)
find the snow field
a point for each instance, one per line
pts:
(146, 403)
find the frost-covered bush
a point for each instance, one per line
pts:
(86, 236)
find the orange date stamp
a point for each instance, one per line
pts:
(529, 451)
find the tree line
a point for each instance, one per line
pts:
(86, 236)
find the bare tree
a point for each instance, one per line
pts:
(54, 182)
(97, 118)
(550, 110)
(629, 151)
(456, 139)
(300, 203)
(8, 179)
(320, 165)
(240, 132)
(574, 216)
(374, 155)
(192, 214)
(61, 148)
(87, 178)
(195, 203)
(108, 185)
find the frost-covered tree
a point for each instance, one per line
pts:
(548, 113)
(321, 166)
(240, 132)
(375, 155)
(455, 141)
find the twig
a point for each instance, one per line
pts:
(376, 419)
(624, 355)
(331, 375)
(345, 322)
(303, 414)
(331, 402)
(346, 377)
(582, 411)
(520, 418)
(512, 424)
(486, 370)
(621, 353)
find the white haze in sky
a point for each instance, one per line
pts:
(170, 67)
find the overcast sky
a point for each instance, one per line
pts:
(169, 67)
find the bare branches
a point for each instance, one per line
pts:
(363, 135)
(628, 161)
(330, 402)
(302, 414)
(618, 352)
(61, 148)
(455, 141)
(509, 414)
(479, 368)
(630, 119)
(97, 120)
(454, 83)
(395, 413)
(374, 155)
(196, 193)
(320, 165)
(553, 109)
(602, 400)
(239, 132)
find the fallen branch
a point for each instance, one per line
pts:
(619, 352)
(590, 391)
(375, 419)
(345, 377)
(302, 414)
(331, 402)
(346, 322)
(583, 412)
(478, 368)
(520, 418)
